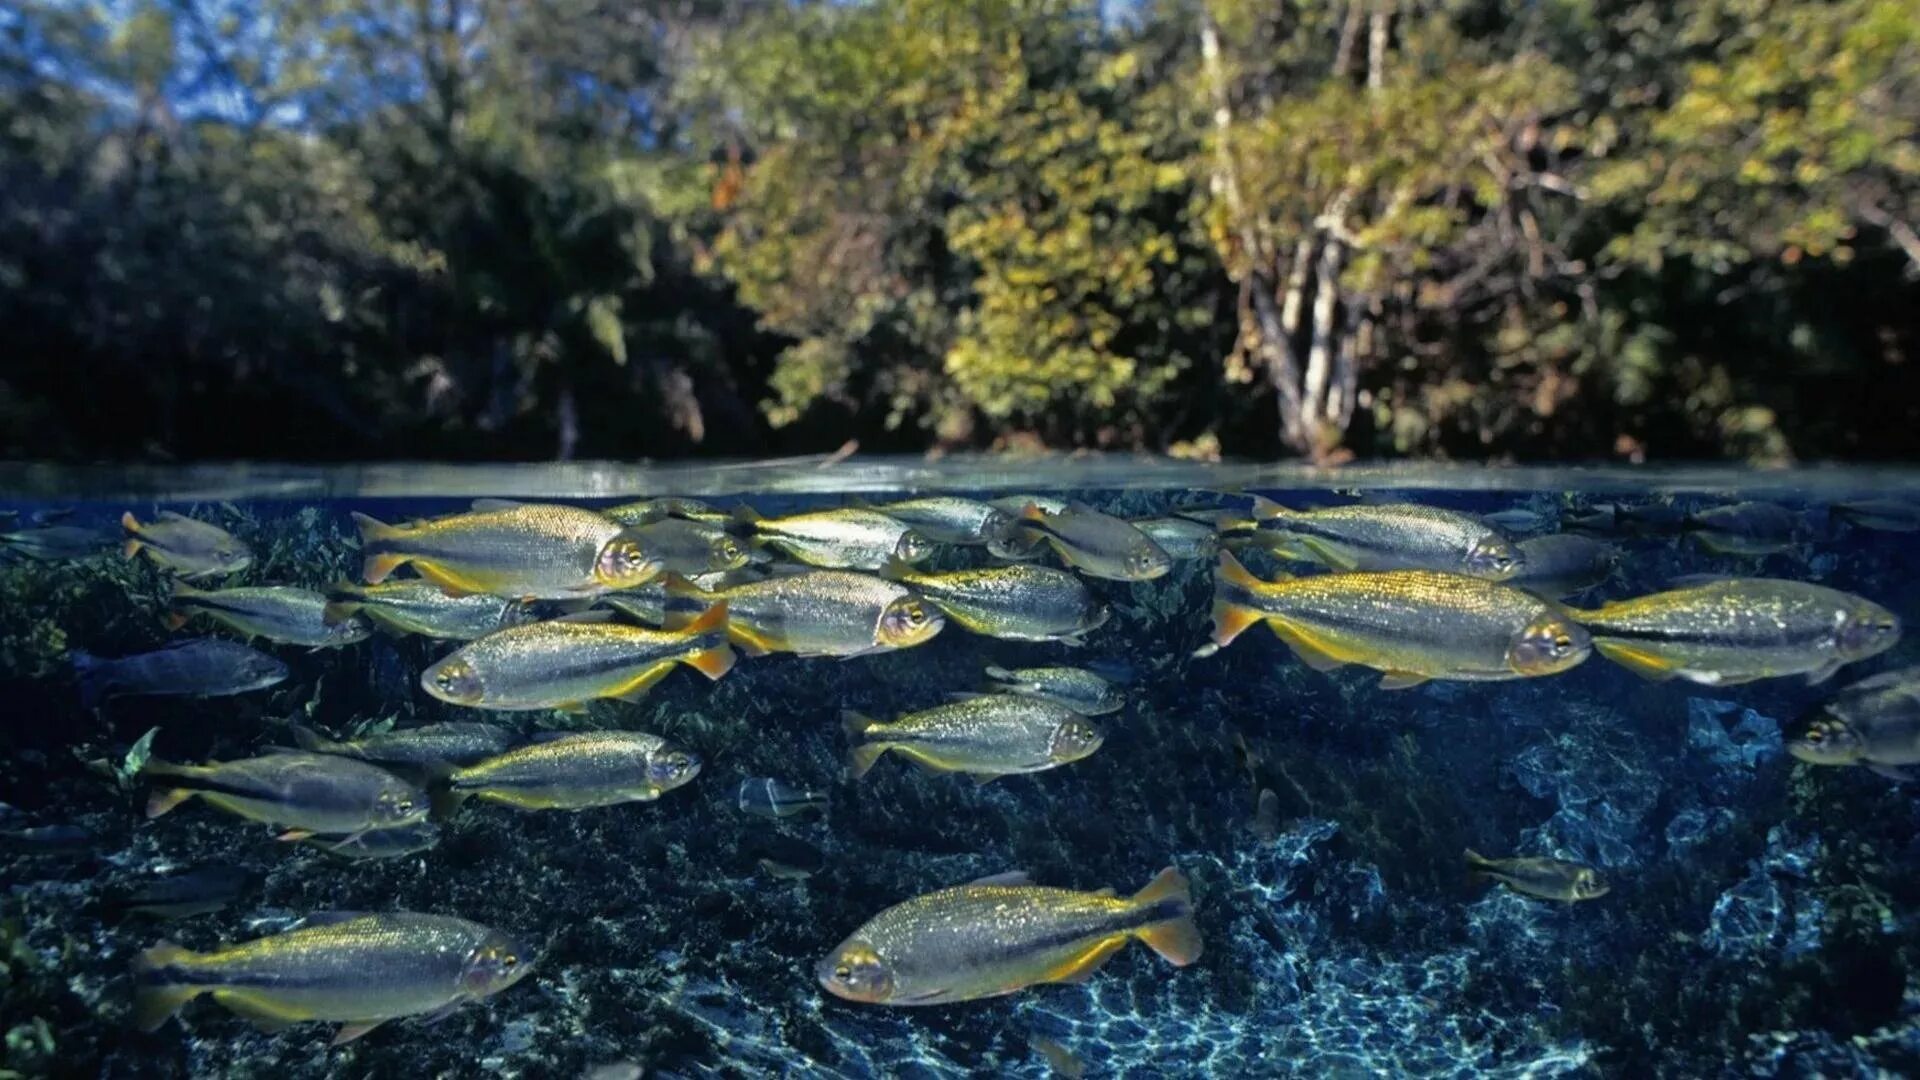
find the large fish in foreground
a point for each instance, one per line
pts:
(564, 663)
(817, 613)
(1020, 603)
(1413, 625)
(1737, 630)
(192, 549)
(999, 936)
(201, 667)
(521, 550)
(279, 613)
(357, 970)
(1389, 536)
(306, 793)
(988, 736)
(578, 771)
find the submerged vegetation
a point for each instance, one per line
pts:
(359, 228)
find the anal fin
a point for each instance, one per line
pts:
(1081, 967)
(1400, 680)
(637, 688)
(1645, 664)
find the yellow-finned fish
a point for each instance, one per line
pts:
(1077, 688)
(1875, 723)
(1737, 630)
(848, 538)
(192, 549)
(421, 607)
(986, 737)
(1548, 879)
(305, 793)
(1021, 603)
(564, 663)
(1001, 935)
(578, 771)
(1099, 545)
(355, 969)
(690, 547)
(816, 613)
(523, 550)
(1386, 536)
(1413, 625)
(949, 519)
(279, 613)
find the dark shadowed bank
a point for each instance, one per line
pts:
(466, 230)
(1761, 918)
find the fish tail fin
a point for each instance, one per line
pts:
(1032, 512)
(343, 600)
(165, 799)
(133, 542)
(1265, 509)
(445, 801)
(718, 660)
(156, 999)
(861, 756)
(1176, 937)
(1477, 862)
(743, 517)
(856, 723)
(176, 616)
(91, 673)
(1231, 619)
(679, 588)
(377, 565)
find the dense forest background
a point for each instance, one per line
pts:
(524, 229)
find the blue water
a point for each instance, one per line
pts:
(1760, 922)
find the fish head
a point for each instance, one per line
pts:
(1145, 560)
(1075, 739)
(454, 680)
(518, 613)
(1549, 644)
(908, 621)
(912, 547)
(856, 972)
(346, 631)
(1494, 558)
(625, 562)
(669, 766)
(496, 963)
(397, 804)
(1867, 630)
(725, 553)
(996, 525)
(261, 670)
(1587, 885)
(1825, 738)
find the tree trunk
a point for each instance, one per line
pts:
(1377, 45)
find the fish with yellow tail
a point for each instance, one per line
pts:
(576, 771)
(986, 737)
(526, 551)
(279, 613)
(815, 613)
(565, 663)
(181, 545)
(847, 538)
(307, 794)
(1736, 630)
(1412, 625)
(351, 968)
(1001, 935)
(1548, 879)
(1384, 536)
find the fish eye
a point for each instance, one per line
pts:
(1562, 644)
(1816, 734)
(509, 961)
(843, 973)
(916, 615)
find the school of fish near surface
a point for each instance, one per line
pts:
(545, 607)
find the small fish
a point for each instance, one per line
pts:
(421, 607)
(1266, 816)
(768, 797)
(948, 519)
(1884, 515)
(53, 543)
(356, 969)
(527, 551)
(1413, 625)
(1747, 528)
(192, 549)
(813, 613)
(1548, 879)
(1737, 630)
(985, 737)
(47, 839)
(202, 667)
(1519, 519)
(565, 663)
(432, 749)
(648, 603)
(1875, 723)
(1019, 603)
(1559, 565)
(1061, 1060)
(305, 793)
(1181, 537)
(647, 511)
(577, 771)
(381, 843)
(1634, 519)
(1099, 545)
(199, 890)
(848, 538)
(783, 871)
(690, 547)
(1390, 536)
(1077, 688)
(278, 613)
(991, 938)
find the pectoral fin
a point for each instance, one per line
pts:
(1639, 661)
